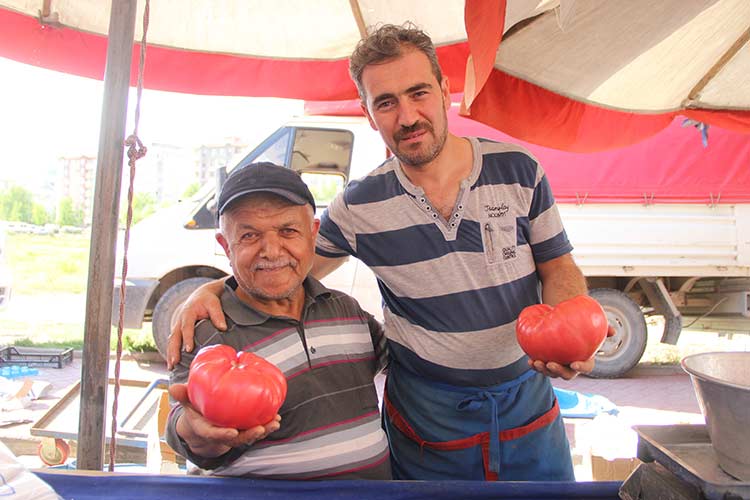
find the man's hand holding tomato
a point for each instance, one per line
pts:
(209, 440)
(562, 341)
(231, 399)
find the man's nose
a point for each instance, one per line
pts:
(408, 113)
(271, 246)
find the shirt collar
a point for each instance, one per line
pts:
(476, 168)
(244, 314)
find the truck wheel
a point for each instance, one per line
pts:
(166, 307)
(623, 351)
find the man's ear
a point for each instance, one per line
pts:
(223, 242)
(445, 88)
(315, 229)
(366, 112)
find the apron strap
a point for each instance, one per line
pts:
(489, 446)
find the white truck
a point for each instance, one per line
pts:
(677, 260)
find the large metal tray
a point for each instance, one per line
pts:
(138, 400)
(687, 452)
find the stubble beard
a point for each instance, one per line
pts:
(261, 294)
(418, 159)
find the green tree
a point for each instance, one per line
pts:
(144, 204)
(39, 215)
(16, 204)
(191, 190)
(68, 214)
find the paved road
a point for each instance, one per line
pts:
(58, 307)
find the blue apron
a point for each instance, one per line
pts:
(509, 432)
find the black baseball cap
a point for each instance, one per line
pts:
(264, 178)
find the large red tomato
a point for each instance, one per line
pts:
(235, 389)
(571, 331)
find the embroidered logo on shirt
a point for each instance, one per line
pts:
(509, 252)
(496, 210)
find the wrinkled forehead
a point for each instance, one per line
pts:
(257, 207)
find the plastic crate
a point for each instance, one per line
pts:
(15, 371)
(38, 357)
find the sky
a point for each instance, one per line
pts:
(46, 114)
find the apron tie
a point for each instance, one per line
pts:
(476, 401)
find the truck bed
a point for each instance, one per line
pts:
(659, 240)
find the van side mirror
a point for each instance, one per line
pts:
(221, 177)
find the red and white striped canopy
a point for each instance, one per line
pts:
(579, 75)
(588, 75)
(274, 48)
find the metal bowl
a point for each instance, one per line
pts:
(722, 385)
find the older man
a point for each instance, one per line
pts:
(327, 347)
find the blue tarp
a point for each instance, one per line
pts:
(86, 486)
(578, 405)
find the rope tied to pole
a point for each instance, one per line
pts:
(136, 150)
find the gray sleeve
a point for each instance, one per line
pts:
(379, 342)
(334, 237)
(178, 375)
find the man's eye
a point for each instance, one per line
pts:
(288, 231)
(383, 105)
(420, 93)
(248, 236)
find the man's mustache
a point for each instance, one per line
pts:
(404, 132)
(274, 264)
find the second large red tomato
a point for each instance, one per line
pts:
(571, 331)
(235, 389)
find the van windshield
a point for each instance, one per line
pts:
(274, 149)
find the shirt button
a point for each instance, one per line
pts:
(312, 350)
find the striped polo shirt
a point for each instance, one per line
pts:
(452, 288)
(330, 425)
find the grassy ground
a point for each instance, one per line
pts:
(47, 269)
(48, 263)
(57, 335)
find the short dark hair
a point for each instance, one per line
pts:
(387, 42)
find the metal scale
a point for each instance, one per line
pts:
(680, 464)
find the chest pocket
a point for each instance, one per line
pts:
(499, 239)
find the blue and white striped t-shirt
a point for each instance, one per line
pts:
(452, 289)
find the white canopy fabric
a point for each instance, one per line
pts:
(588, 75)
(286, 29)
(638, 55)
